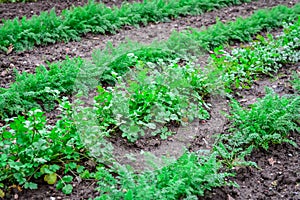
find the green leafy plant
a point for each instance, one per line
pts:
(269, 121)
(296, 82)
(116, 60)
(39, 90)
(149, 97)
(233, 156)
(30, 149)
(188, 177)
(241, 66)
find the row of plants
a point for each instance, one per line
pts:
(187, 44)
(39, 90)
(240, 67)
(150, 96)
(96, 18)
(44, 86)
(31, 149)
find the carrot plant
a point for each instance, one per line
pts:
(187, 178)
(268, 121)
(39, 90)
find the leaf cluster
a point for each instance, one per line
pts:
(115, 60)
(189, 43)
(296, 82)
(268, 121)
(151, 96)
(96, 18)
(188, 177)
(39, 90)
(241, 66)
(30, 149)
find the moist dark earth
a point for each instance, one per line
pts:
(279, 173)
(13, 10)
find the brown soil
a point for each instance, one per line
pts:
(12, 10)
(279, 180)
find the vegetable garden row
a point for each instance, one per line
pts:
(141, 91)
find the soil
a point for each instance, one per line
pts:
(13, 10)
(279, 176)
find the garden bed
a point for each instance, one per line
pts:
(277, 175)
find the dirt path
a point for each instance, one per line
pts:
(28, 60)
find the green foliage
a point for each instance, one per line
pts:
(233, 156)
(31, 149)
(96, 18)
(39, 90)
(116, 60)
(269, 121)
(187, 43)
(44, 87)
(296, 82)
(190, 176)
(91, 134)
(241, 30)
(151, 96)
(239, 68)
